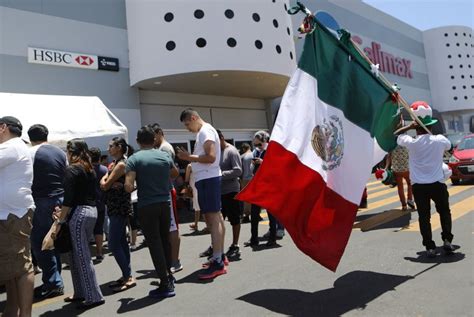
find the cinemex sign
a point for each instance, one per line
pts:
(68, 59)
(388, 62)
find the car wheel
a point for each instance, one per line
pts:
(455, 181)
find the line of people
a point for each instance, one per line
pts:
(47, 185)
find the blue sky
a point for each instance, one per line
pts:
(427, 14)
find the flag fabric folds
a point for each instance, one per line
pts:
(335, 122)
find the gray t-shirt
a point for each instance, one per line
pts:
(247, 166)
(168, 148)
(231, 168)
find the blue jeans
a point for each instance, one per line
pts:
(49, 260)
(118, 243)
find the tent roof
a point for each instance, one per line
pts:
(66, 117)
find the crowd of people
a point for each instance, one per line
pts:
(44, 190)
(52, 188)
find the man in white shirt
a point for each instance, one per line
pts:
(427, 177)
(16, 213)
(205, 164)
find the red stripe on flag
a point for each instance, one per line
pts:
(318, 219)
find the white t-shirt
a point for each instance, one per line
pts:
(204, 170)
(168, 148)
(425, 157)
(16, 178)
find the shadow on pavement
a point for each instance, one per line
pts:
(67, 310)
(351, 291)
(131, 304)
(194, 278)
(440, 258)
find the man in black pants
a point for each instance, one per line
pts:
(152, 169)
(427, 176)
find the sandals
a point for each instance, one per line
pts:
(125, 286)
(117, 283)
(404, 208)
(411, 204)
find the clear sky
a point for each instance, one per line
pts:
(427, 14)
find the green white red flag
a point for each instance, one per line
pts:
(336, 121)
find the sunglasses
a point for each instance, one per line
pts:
(258, 144)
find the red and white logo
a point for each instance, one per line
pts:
(84, 60)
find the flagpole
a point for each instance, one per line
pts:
(307, 27)
(400, 98)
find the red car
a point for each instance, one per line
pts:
(462, 160)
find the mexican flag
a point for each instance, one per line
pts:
(335, 122)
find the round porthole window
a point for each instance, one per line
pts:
(199, 14)
(231, 42)
(229, 14)
(256, 17)
(258, 44)
(200, 42)
(169, 17)
(170, 45)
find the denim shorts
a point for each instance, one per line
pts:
(209, 194)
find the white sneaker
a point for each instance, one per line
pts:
(280, 233)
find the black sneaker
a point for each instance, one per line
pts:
(431, 253)
(206, 253)
(246, 219)
(233, 252)
(251, 243)
(448, 247)
(163, 291)
(50, 293)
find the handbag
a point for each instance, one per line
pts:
(63, 243)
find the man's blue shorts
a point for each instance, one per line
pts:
(209, 194)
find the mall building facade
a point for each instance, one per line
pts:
(230, 60)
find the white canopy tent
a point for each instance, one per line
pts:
(66, 117)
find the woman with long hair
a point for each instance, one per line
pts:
(80, 212)
(119, 208)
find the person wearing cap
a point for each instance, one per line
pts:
(16, 213)
(49, 165)
(427, 176)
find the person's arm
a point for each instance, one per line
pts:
(7, 156)
(388, 161)
(174, 171)
(236, 170)
(208, 157)
(130, 177)
(187, 174)
(110, 178)
(404, 129)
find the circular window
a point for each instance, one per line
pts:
(465, 97)
(452, 77)
(275, 23)
(455, 98)
(256, 17)
(200, 42)
(291, 55)
(273, 1)
(463, 87)
(462, 76)
(469, 65)
(455, 34)
(450, 66)
(169, 17)
(447, 44)
(465, 44)
(470, 76)
(457, 44)
(454, 87)
(467, 55)
(231, 42)
(449, 56)
(459, 55)
(460, 66)
(170, 45)
(199, 14)
(278, 49)
(288, 31)
(258, 44)
(446, 34)
(464, 34)
(472, 86)
(229, 14)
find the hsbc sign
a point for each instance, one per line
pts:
(69, 59)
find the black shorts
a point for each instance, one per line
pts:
(231, 208)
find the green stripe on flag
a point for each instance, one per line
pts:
(346, 82)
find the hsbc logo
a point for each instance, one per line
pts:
(84, 60)
(69, 59)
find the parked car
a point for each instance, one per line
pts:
(454, 138)
(462, 160)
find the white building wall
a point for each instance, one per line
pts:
(160, 48)
(450, 59)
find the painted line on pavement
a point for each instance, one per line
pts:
(49, 301)
(458, 210)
